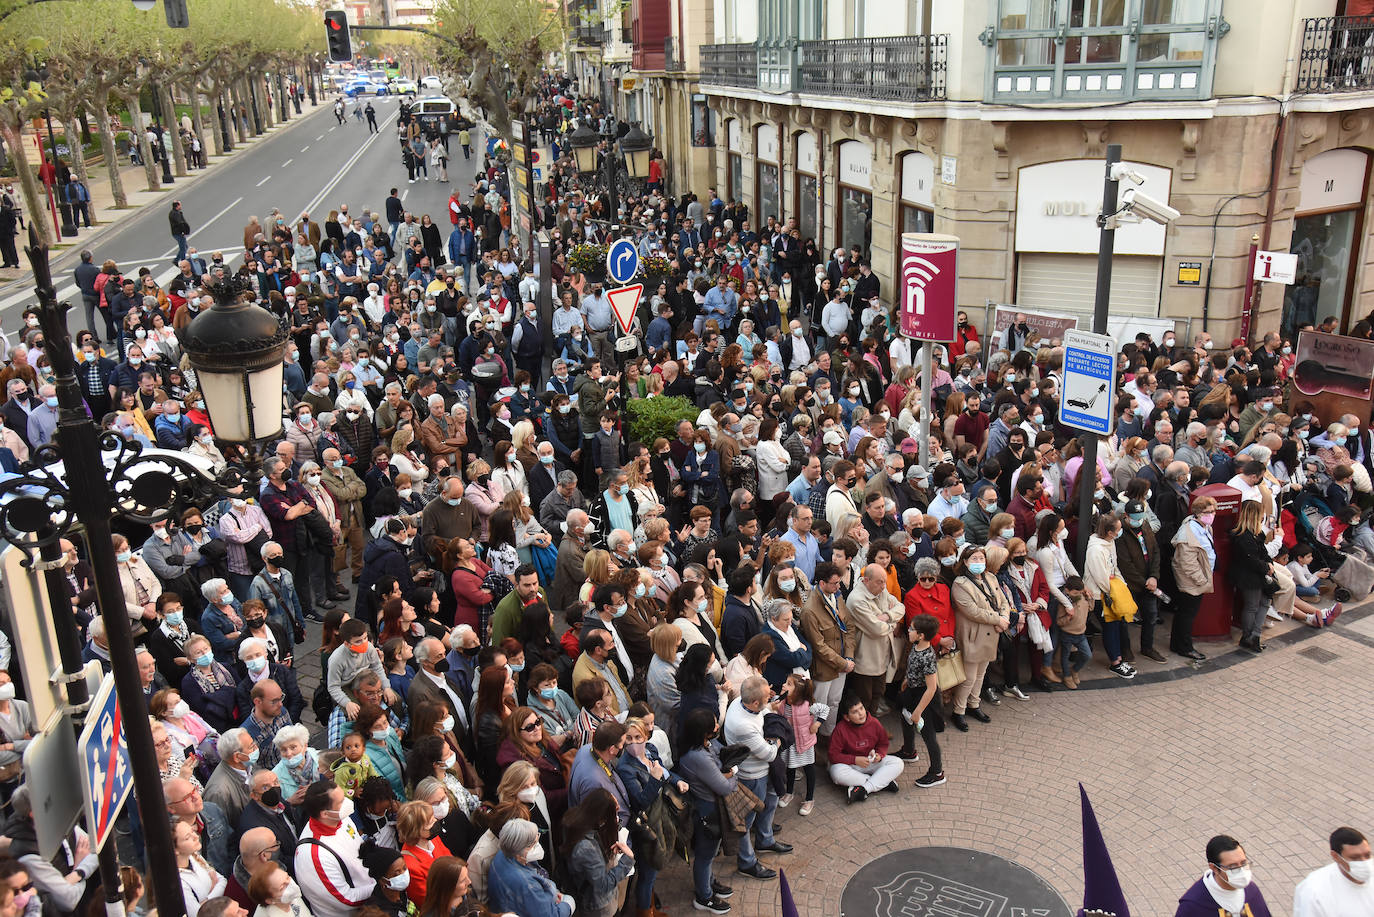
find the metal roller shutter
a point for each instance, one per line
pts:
(1051, 281)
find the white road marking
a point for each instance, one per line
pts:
(321, 137)
(264, 181)
(304, 148)
(404, 195)
(287, 163)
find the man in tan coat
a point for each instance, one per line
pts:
(876, 615)
(826, 623)
(348, 491)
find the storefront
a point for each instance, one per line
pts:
(807, 186)
(1327, 229)
(855, 196)
(918, 203)
(1057, 240)
(734, 172)
(767, 180)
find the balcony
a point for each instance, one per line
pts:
(590, 36)
(908, 68)
(1336, 54)
(730, 65)
(672, 58)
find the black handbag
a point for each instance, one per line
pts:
(733, 755)
(1270, 586)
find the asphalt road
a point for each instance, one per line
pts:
(313, 167)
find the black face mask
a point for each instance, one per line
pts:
(441, 666)
(194, 528)
(255, 622)
(471, 651)
(271, 797)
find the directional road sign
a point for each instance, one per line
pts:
(106, 773)
(624, 302)
(1089, 387)
(622, 261)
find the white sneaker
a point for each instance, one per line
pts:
(784, 801)
(1273, 614)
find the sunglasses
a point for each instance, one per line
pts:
(530, 727)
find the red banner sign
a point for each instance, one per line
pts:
(929, 286)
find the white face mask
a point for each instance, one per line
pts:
(291, 893)
(536, 853)
(529, 794)
(1239, 877)
(440, 810)
(1360, 870)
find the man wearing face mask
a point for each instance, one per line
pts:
(228, 786)
(1226, 888)
(267, 809)
(328, 861)
(1342, 888)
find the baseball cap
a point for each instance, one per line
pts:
(833, 438)
(919, 473)
(909, 445)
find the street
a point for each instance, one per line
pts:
(311, 167)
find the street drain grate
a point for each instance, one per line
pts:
(1317, 654)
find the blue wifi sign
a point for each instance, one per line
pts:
(622, 261)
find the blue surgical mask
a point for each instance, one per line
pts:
(701, 607)
(701, 448)
(517, 666)
(256, 665)
(624, 489)
(205, 659)
(787, 585)
(546, 459)
(548, 693)
(640, 591)
(52, 401)
(124, 557)
(949, 561)
(976, 567)
(451, 502)
(175, 618)
(254, 755)
(295, 760)
(621, 609)
(337, 463)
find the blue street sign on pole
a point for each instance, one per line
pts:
(1089, 391)
(106, 774)
(622, 261)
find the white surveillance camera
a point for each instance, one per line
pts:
(1148, 208)
(1122, 171)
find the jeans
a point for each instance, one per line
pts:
(181, 245)
(1253, 604)
(644, 883)
(91, 304)
(1113, 638)
(703, 852)
(394, 226)
(239, 584)
(1145, 605)
(1308, 592)
(872, 777)
(1066, 643)
(746, 857)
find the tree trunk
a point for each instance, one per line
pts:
(107, 149)
(198, 119)
(35, 195)
(140, 134)
(172, 131)
(85, 128)
(235, 93)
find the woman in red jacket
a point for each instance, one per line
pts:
(858, 753)
(930, 596)
(468, 573)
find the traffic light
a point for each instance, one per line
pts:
(336, 32)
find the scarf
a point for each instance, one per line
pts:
(219, 677)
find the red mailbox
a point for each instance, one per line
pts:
(1214, 615)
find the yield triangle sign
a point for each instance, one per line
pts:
(624, 302)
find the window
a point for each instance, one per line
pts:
(768, 203)
(1103, 49)
(808, 190)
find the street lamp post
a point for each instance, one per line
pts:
(634, 149)
(85, 478)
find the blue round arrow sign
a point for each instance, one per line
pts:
(622, 261)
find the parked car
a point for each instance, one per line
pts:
(431, 84)
(403, 86)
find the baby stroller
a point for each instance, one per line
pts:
(1351, 579)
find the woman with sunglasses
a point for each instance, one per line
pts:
(524, 739)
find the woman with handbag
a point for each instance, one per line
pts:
(982, 612)
(707, 782)
(641, 770)
(1022, 575)
(1101, 576)
(1251, 572)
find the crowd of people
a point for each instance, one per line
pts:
(555, 654)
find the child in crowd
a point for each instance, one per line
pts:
(355, 768)
(1073, 624)
(798, 694)
(920, 689)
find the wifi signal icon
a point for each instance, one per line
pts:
(916, 273)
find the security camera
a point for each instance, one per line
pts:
(1122, 171)
(1146, 207)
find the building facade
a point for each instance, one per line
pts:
(863, 119)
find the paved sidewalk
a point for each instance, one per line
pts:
(135, 181)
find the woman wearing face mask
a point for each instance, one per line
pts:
(1023, 580)
(199, 881)
(139, 584)
(598, 859)
(388, 867)
(542, 778)
(298, 764)
(1099, 569)
(513, 881)
(791, 653)
(275, 894)
(1194, 562)
(415, 831)
(186, 728)
(1129, 461)
(981, 613)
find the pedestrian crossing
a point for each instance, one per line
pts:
(71, 293)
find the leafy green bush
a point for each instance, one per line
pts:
(650, 418)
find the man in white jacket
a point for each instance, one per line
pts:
(744, 725)
(329, 868)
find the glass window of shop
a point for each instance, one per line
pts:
(855, 203)
(767, 188)
(807, 186)
(734, 179)
(1326, 238)
(918, 186)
